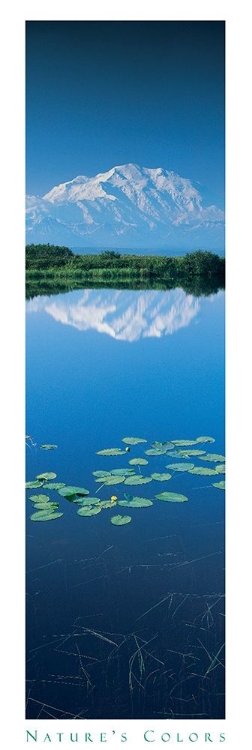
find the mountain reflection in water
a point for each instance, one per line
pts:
(123, 315)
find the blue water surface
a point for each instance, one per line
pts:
(125, 622)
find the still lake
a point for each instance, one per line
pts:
(125, 622)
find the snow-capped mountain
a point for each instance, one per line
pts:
(122, 315)
(128, 206)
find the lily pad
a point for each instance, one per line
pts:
(213, 457)
(103, 479)
(137, 480)
(47, 475)
(133, 440)
(54, 485)
(138, 461)
(107, 504)
(136, 502)
(221, 469)
(205, 439)
(120, 520)
(175, 454)
(45, 516)
(101, 473)
(191, 452)
(49, 507)
(122, 472)
(87, 501)
(184, 442)
(111, 452)
(68, 491)
(39, 498)
(91, 510)
(166, 445)
(155, 452)
(33, 485)
(202, 471)
(48, 447)
(161, 477)
(180, 467)
(114, 480)
(172, 497)
(219, 485)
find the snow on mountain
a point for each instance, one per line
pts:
(127, 206)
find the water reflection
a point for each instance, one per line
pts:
(122, 314)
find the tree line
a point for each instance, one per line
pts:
(199, 270)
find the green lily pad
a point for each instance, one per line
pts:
(184, 442)
(45, 516)
(176, 454)
(111, 452)
(219, 485)
(49, 507)
(122, 472)
(136, 502)
(205, 439)
(220, 468)
(101, 473)
(215, 457)
(138, 461)
(54, 485)
(103, 479)
(68, 491)
(48, 447)
(137, 480)
(91, 510)
(46, 475)
(87, 501)
(161, 477)
(191, 452)
(107, 504)
(33, 485)
(120, 520)
(114, 480)
(155, 452)
(202, 471)
(180, 467)
(133, 440)
(39, 498)
(172, 497)
(166, 445)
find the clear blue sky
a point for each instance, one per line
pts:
(101, 94)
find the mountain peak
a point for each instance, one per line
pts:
(128, 205)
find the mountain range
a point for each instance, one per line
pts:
(128, 206)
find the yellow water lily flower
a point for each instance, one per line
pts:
(113, 498)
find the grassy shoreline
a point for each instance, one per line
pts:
(52, 268)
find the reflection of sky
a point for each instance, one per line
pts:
(85, 391)
(124, 315)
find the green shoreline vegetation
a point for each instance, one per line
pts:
(51, 269)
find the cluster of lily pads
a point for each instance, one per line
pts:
(47, 510)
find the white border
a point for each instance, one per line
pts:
(238, 197)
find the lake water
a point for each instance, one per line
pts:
(125, 622)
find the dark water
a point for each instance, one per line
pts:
(125, 622)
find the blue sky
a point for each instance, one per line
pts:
(101, 94)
